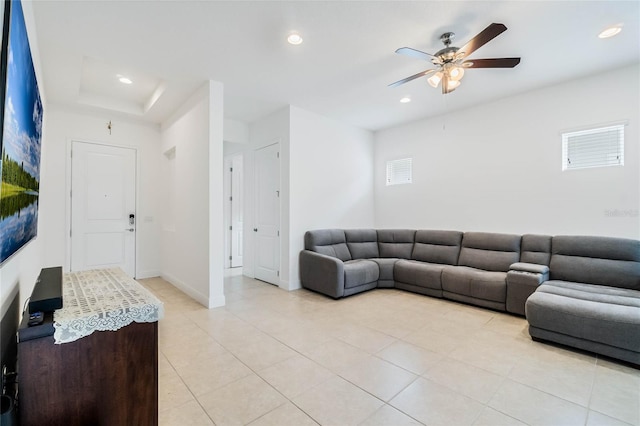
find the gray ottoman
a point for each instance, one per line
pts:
(596, 318)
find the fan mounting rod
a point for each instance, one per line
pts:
(448, 54)
(447, 37)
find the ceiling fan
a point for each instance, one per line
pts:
(451, 61)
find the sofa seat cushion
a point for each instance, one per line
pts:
(386, 267)
(597, 313)
(476, 283)
(359, 272)
(420, 274)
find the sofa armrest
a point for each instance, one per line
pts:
(322, 273)
(529, 267)
(522, 281)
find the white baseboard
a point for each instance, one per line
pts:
(196, 295)
(290, 285)
(147, 274)
(217, 301)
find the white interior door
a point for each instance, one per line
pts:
(233, 210)
(236, 210)
(267, 214)
(103, 207)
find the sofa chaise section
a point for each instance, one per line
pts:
(592, 300)
(481, 275)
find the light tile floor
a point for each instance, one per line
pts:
(385, 357)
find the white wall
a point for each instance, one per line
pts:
(497, 167)
(326, 181)
(64, 126)
(331, 181)
(235, 131)
(189, 247)
(216, 191)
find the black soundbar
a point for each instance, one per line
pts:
(47, 293)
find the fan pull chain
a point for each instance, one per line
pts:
(446, 112)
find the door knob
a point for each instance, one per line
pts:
(255, 229)
(130, 229)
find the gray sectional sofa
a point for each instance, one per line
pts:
(577, 291)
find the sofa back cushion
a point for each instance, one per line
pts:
(362, 243)
(437, 246)
(536, 249)
(396, 243)
(489, 251)
(606, 261)
(331, 242)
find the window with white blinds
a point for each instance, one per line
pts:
(593, 148)
(399, 171)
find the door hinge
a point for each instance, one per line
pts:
(230, 198)
(278, 233)
(230, 227)
(230, 257)
(69, 233)
(278, 154)
(231, 169)
(278, 273)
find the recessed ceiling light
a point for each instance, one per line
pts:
(611, 31)
(294, 38)
(405, 100)
(124, 80)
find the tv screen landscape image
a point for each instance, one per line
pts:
(21, 138)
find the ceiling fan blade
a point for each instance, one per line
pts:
(413, 77)
(418, 54)
(485, 36)
(491, 63)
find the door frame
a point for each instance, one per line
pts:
(67, 195)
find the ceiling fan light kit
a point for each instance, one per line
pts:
(451, 61)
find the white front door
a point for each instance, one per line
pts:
(267, 214)
(103, 207)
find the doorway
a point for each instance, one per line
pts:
(233, 211)
(267, 214)
(103, 207)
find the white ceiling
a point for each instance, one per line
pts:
(341, 70)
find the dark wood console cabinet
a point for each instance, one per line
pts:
(106, 378)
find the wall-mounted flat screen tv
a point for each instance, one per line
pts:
(21, 118)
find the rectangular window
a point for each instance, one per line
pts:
(593, 148)
(399, 171)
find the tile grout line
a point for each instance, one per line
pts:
(256, 372)
(289, 313)
(187, 386)
(593, 384)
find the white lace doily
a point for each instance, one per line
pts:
(102, 300)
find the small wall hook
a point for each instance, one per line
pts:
(109, 126)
